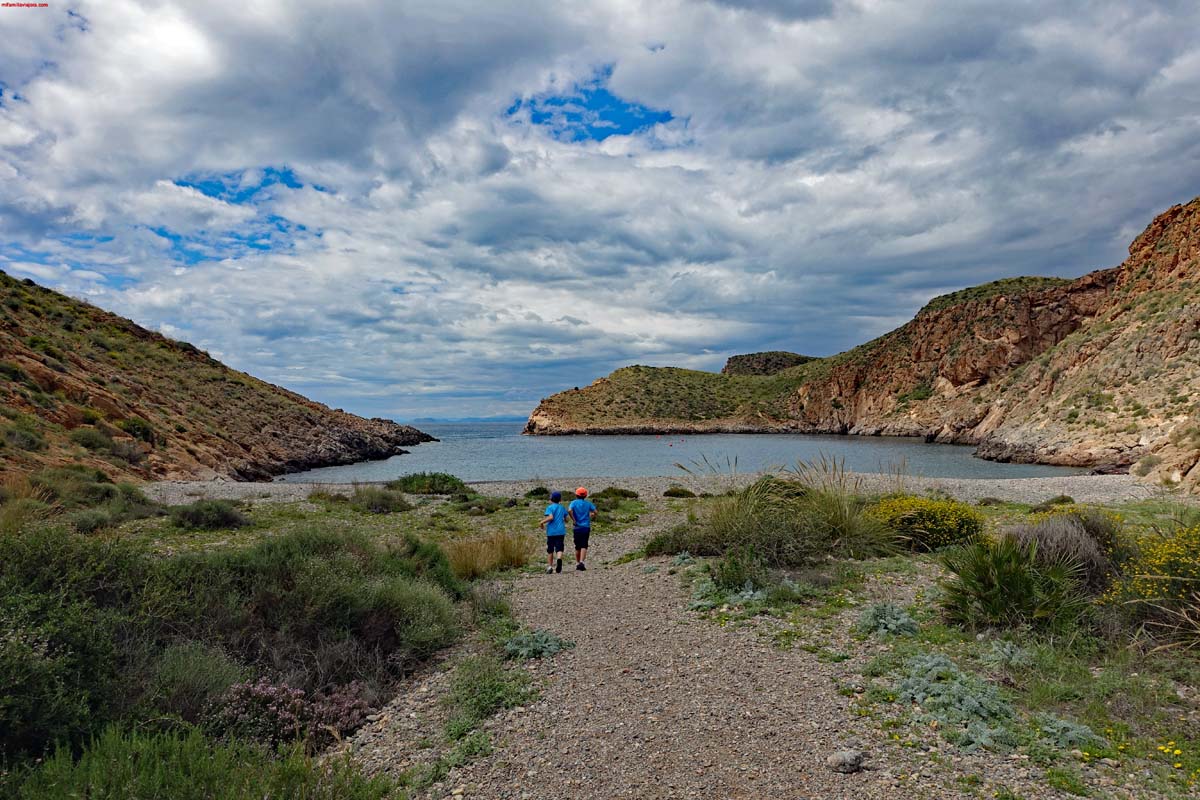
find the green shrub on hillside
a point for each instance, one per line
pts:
(91, 439)
(23, 438)
(188, 766)
(428, 483)
(209, 515)
(139, 428)
(928, 523)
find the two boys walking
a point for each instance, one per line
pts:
(581, 511)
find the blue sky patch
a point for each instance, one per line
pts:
(231, 188)
(590, 112)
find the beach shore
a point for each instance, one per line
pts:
(1103, 489)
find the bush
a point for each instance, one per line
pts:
(128, 451)
(372, 500)
(91, 439)
(59, 662)
(190, 677)
(1062, 539)
(188, 766)
(535, 644)
(616, 493)
(208, 515)
(428, 483)
(740, 570)
(537, 492)
(75, 486)
(480, 687)
(1048, 505)
(24, 438)
(678, 491)
(884, 620)
(928, 523)
(1164, 575)
(278, 714)
(1002, 583)
(89, 521)
(139, 428)
(474, 558)
(971, 711)
(785, 523)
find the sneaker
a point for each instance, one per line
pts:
(580, 566)
(558, 565)
(549, 570)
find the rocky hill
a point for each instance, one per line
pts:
(766, 363)
(1099, 371)
(81, 385)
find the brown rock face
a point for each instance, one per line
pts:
(766, 363)
(81, 385)
(1100, 371)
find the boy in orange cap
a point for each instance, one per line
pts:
(582, 511)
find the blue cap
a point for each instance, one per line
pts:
(555, 496)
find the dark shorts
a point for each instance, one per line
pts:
(580, 537)
(554, 544)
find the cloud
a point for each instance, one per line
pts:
(415, 210)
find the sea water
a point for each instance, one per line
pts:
(498, 451)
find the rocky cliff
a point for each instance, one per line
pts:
(81, 385)
(1099, 371)
(765, 363)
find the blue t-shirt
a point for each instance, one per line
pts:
(581, 512)
(558, 525)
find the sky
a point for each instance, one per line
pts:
(456, 208)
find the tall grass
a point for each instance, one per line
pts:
(476, 557)
(21, 503)
(815, 512)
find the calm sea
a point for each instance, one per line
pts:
(498, 451)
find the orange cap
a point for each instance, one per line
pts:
(581, 492)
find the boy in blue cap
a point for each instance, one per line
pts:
(582, 511)
(555, 523)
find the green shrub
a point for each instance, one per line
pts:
(1001, 583)
(1048, 505)
(208, 515)
(616, 493)
(187, 766)
(537, 492)
(24, 439)
(89, 521)
(535, 644)
(428, 483)
(678, 491)
(373, 500)
(59, 661)
(740, 569)
(188, 677)
(787, 523)
(75, 486)
(91, 439)
(885, 620)
(970, 711)
(139, 428)
(480, 687)
(928, 523)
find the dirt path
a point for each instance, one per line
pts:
(654, 702)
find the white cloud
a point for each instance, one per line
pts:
(830, 165)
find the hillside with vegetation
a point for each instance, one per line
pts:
(1100, 371)
(79, 385)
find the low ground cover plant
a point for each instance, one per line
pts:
(535, 644)
(928, 523)
(481, 686)
(678, 491)
(885, 620)
(428, 483)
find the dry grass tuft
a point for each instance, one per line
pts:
(473, 558)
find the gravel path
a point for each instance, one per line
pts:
(657, 702)
(1084, 488)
